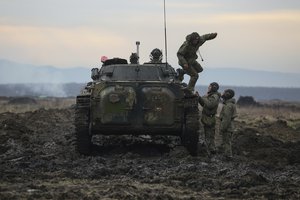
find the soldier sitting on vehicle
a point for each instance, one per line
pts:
(134, 58)
(156, 56)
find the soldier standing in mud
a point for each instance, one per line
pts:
(227, 115)
(210, 103)
(187, 57)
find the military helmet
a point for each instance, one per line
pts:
(228, 94)
(134, 58)
(156, 55)
(195, 36)
(214, 86)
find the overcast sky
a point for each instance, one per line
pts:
(261, 35)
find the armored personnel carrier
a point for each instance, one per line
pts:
(135, 99)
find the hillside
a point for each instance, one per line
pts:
(12, 72)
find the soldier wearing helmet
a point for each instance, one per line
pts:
(134, 58)
(227, 115)
(156, 56)
(187, 57)
(210, 103)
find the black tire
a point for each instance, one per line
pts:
(190, 133)
(82, 122)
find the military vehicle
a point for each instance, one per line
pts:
(135, 99)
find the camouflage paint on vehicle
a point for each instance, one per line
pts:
(140, 99)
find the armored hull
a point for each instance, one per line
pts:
(135, 99)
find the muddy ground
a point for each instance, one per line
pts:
(38, 161)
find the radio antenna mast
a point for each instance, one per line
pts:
(165, 26)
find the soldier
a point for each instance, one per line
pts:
(187, 55)
(156, 56)
(134, 58)
(210, 103)
(227, 116)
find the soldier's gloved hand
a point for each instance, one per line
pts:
(185, 66)
(214, 35)
(197, 93)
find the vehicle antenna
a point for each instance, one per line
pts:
(165, 26)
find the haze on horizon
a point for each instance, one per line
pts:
(259, 35)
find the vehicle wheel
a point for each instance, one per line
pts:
(190, 133)
(82, 122)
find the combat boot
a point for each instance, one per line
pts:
(180, 74)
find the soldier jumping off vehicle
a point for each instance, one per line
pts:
(187, 56)
(227, 115)
(210, 103)
(156, 56)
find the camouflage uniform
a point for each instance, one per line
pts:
(227, 116)
(210, 103)
(187, 54)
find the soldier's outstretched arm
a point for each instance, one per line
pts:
(211, 101)
(209, 36)
(201, 101)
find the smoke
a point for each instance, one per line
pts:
(11, 72)
(41, 89)
(51, 89)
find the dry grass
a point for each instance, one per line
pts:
(266, 120)
(45, 103)
(288, 111)
(282, 123)
(268, 112)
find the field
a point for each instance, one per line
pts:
(38, 160)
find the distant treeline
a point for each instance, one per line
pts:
(261, 93)
(73, 89)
